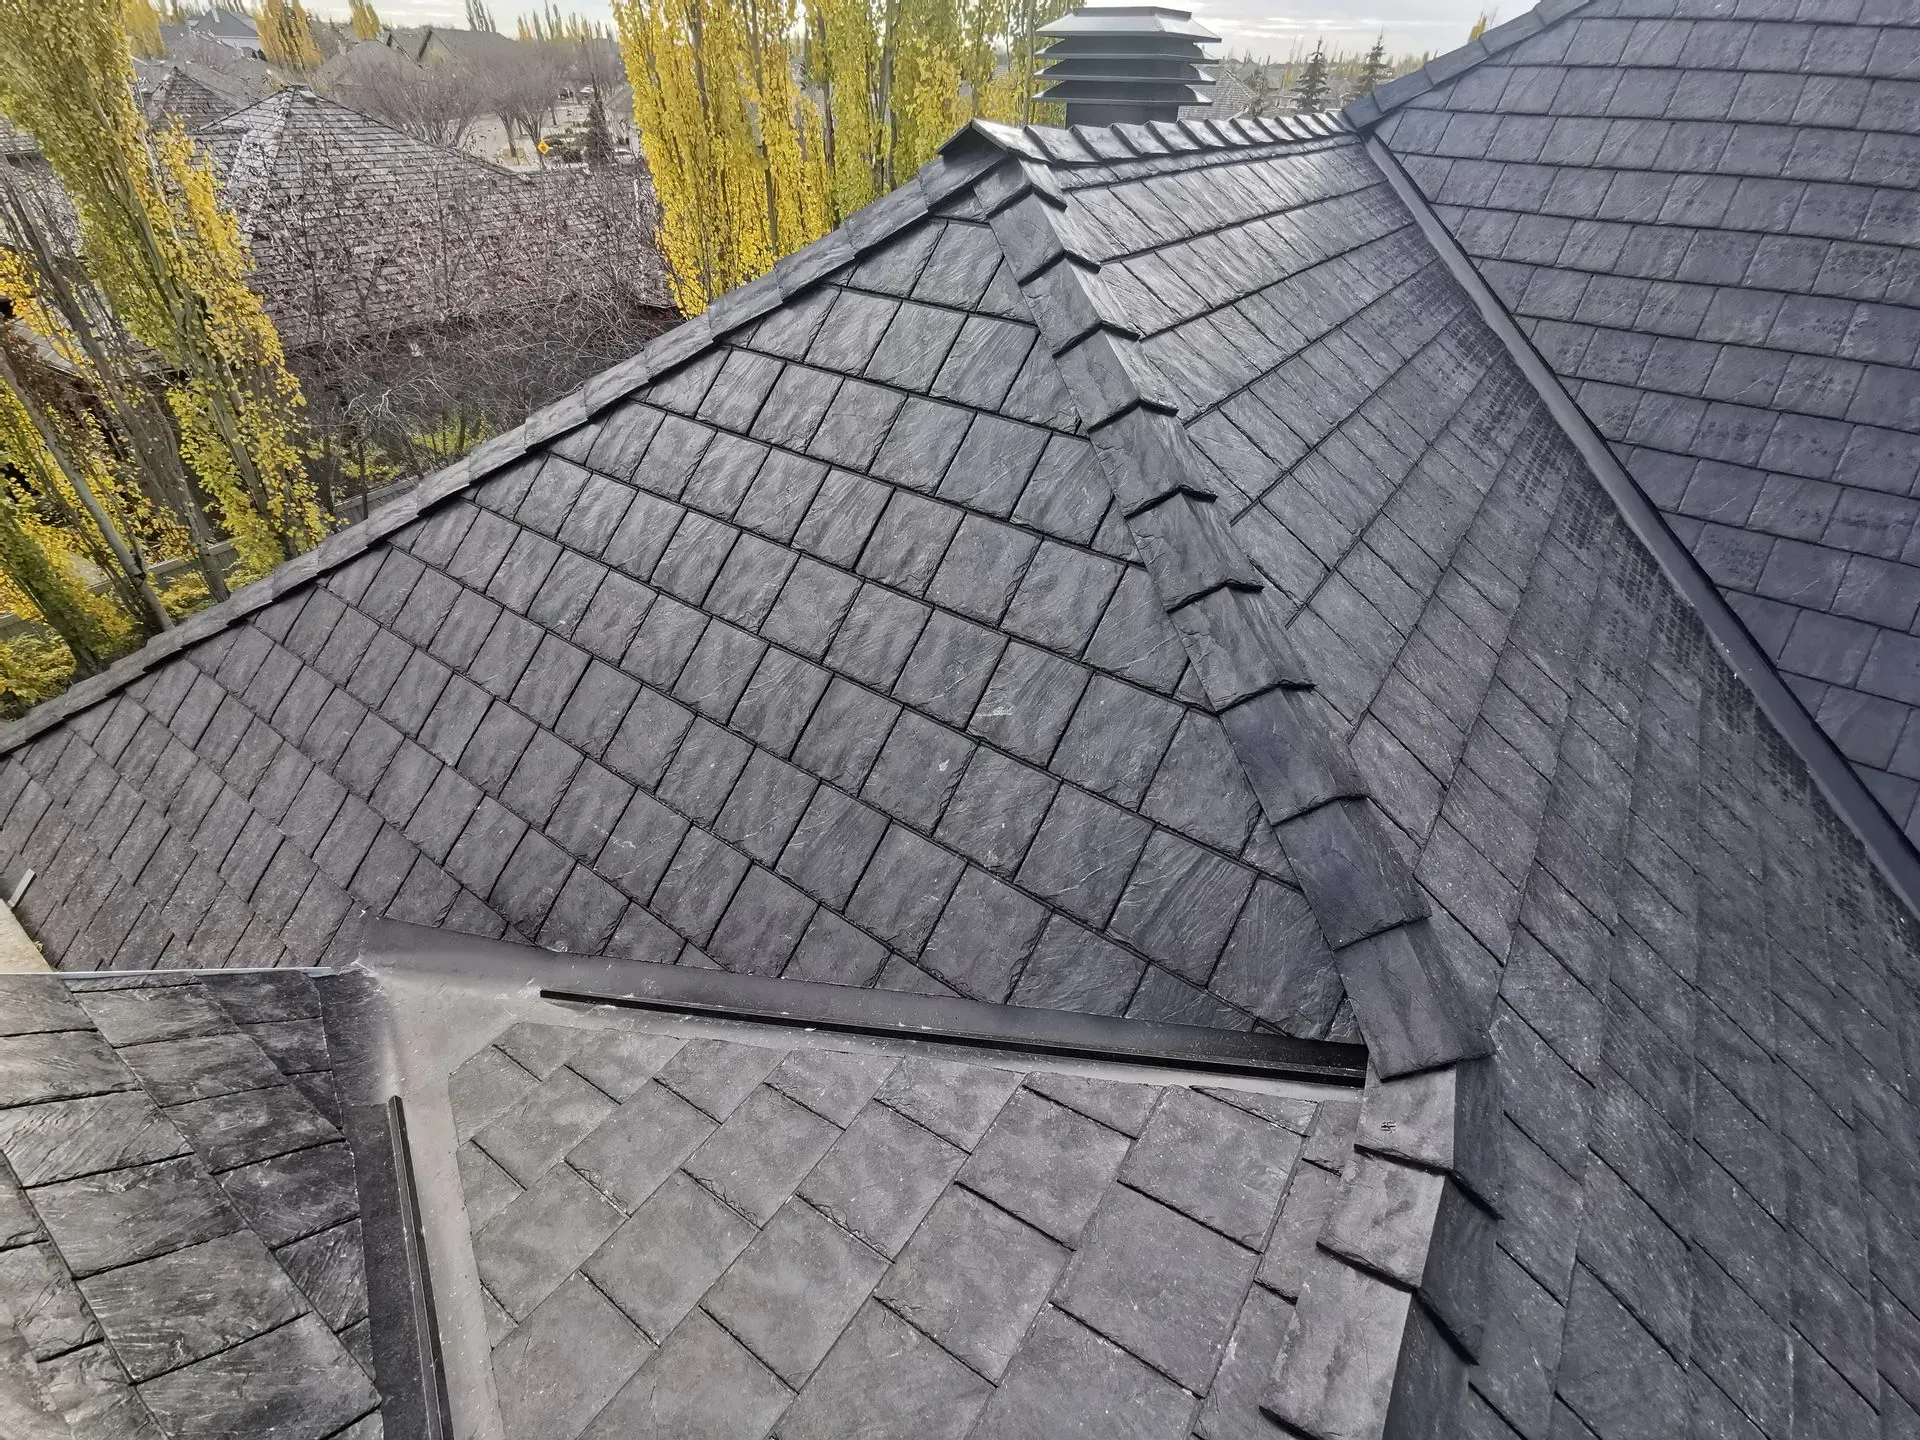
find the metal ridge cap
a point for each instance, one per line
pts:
(1892, 853)
(1370, 109)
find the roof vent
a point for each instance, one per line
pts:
(1126, 64)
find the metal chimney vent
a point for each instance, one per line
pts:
(1126, 64)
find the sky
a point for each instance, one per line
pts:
(1247, 26)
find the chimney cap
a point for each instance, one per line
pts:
(1128, 20)
(1115, 64)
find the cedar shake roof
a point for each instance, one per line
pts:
(1133, 594)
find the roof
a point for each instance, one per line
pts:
(1705, 222)
(180, 1248)
(1124, 573)
(192, 93)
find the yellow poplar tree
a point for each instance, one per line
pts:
(715, 102)
(39, 574)
(286, 36)
(364, 19)
(143, 29)
(171, 263)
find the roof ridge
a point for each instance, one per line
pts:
(866, 229)
(1371, 108)
(969, 154)
(1369, 906)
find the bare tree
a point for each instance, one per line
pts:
(438, 102)
(524, 86)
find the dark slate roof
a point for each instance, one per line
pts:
(1123, 571)
(828, 654)
(180, 1248)
(976, 1246)
(1705, 220)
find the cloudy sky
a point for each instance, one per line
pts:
(1246, 25)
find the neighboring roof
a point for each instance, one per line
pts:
(1706, 223)
(180, 1248)
(1124, 570)
(195, 95)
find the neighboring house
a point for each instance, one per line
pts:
(1002, 731)
(229, 29)
(359, 230)
(190, 93)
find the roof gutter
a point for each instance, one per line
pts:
(1889, 849)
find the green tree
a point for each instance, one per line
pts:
(1375, 69)
(1313, 87)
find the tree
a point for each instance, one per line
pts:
(143, 30)
(286, 35)
(364, 19)
(170, 266)
(524, 85)
(438, 102)
(479, 18)
(1375, 69)
(1479, 26)
(1313, 87)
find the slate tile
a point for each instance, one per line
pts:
(647, 739)
(131, 1017)
(58, 1065)
(663, 1259)
(544, 1124)
(297, 1381)
(1220, 1165)
(1159, 1284)
(834, 1084)
(996, 811)
(1027, 704)
(1073, 969)
(831, 846)
(619, 1061)
(703, 771)
(714, 1076)
(557, 1368)
(175, 1071)
(637, 1146)
(760, 1155)
(166, 1312)
(950, 666)
(890, 1376)
(63, 1139)
(794, 1289)
(780, 495)
(292, 1196)
(693, 895)
(844, 735)
(842, 516)
(44, 1307)
(1082, 853)
(984, 565)
(762, 925)
(904, 889)
(881, 1177)
(1069, 1381)
(992, 465)
(484, 1085)
(90, 1388)
(133, 1214)
(1045, 1164)
(1180, 905)
(232, 1130)
(955, 1101)
(485, 1188)
(530, 1247)
(833, 951)
(877, 638)
(702, 1381)
(812, 604)
(984, 934)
